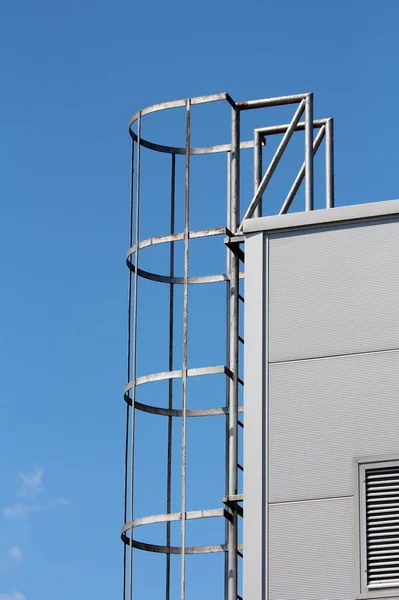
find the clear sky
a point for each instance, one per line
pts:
(72, 73)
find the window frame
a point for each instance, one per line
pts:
(362, 465)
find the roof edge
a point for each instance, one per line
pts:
(324, 216)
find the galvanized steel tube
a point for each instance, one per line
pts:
(170, 366)
(134, 350)
(257, 169)
(309, 193)
(330, 163)
(274, 162)
(233, 355)
(184, 367)
(301, 174)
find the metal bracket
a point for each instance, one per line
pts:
(233, 503)
(232, 242)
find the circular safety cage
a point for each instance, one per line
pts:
(192, 160)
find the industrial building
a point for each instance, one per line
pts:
(262, 459)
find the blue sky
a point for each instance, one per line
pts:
(72, 73)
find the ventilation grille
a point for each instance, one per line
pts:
(382, 524)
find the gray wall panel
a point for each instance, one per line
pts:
(322, 387)
(322, 414)
(334, 290)
(312, 551)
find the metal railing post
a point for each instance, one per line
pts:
(330, 163)
(309, 193)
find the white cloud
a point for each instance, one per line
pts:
(31, 483)
(17, 510)
(20, 510)
(63, 502)
(31, 486)
(15, 553)
(12, 596)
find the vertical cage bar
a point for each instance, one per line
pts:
(309, 201)
(184, 368)
(170, 367)
(233, 354)
(128, 361)
(227, 317)
(330, 164)
(257, 170)
(134, 350)
(125, 489)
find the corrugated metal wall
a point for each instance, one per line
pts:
(333, 396)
